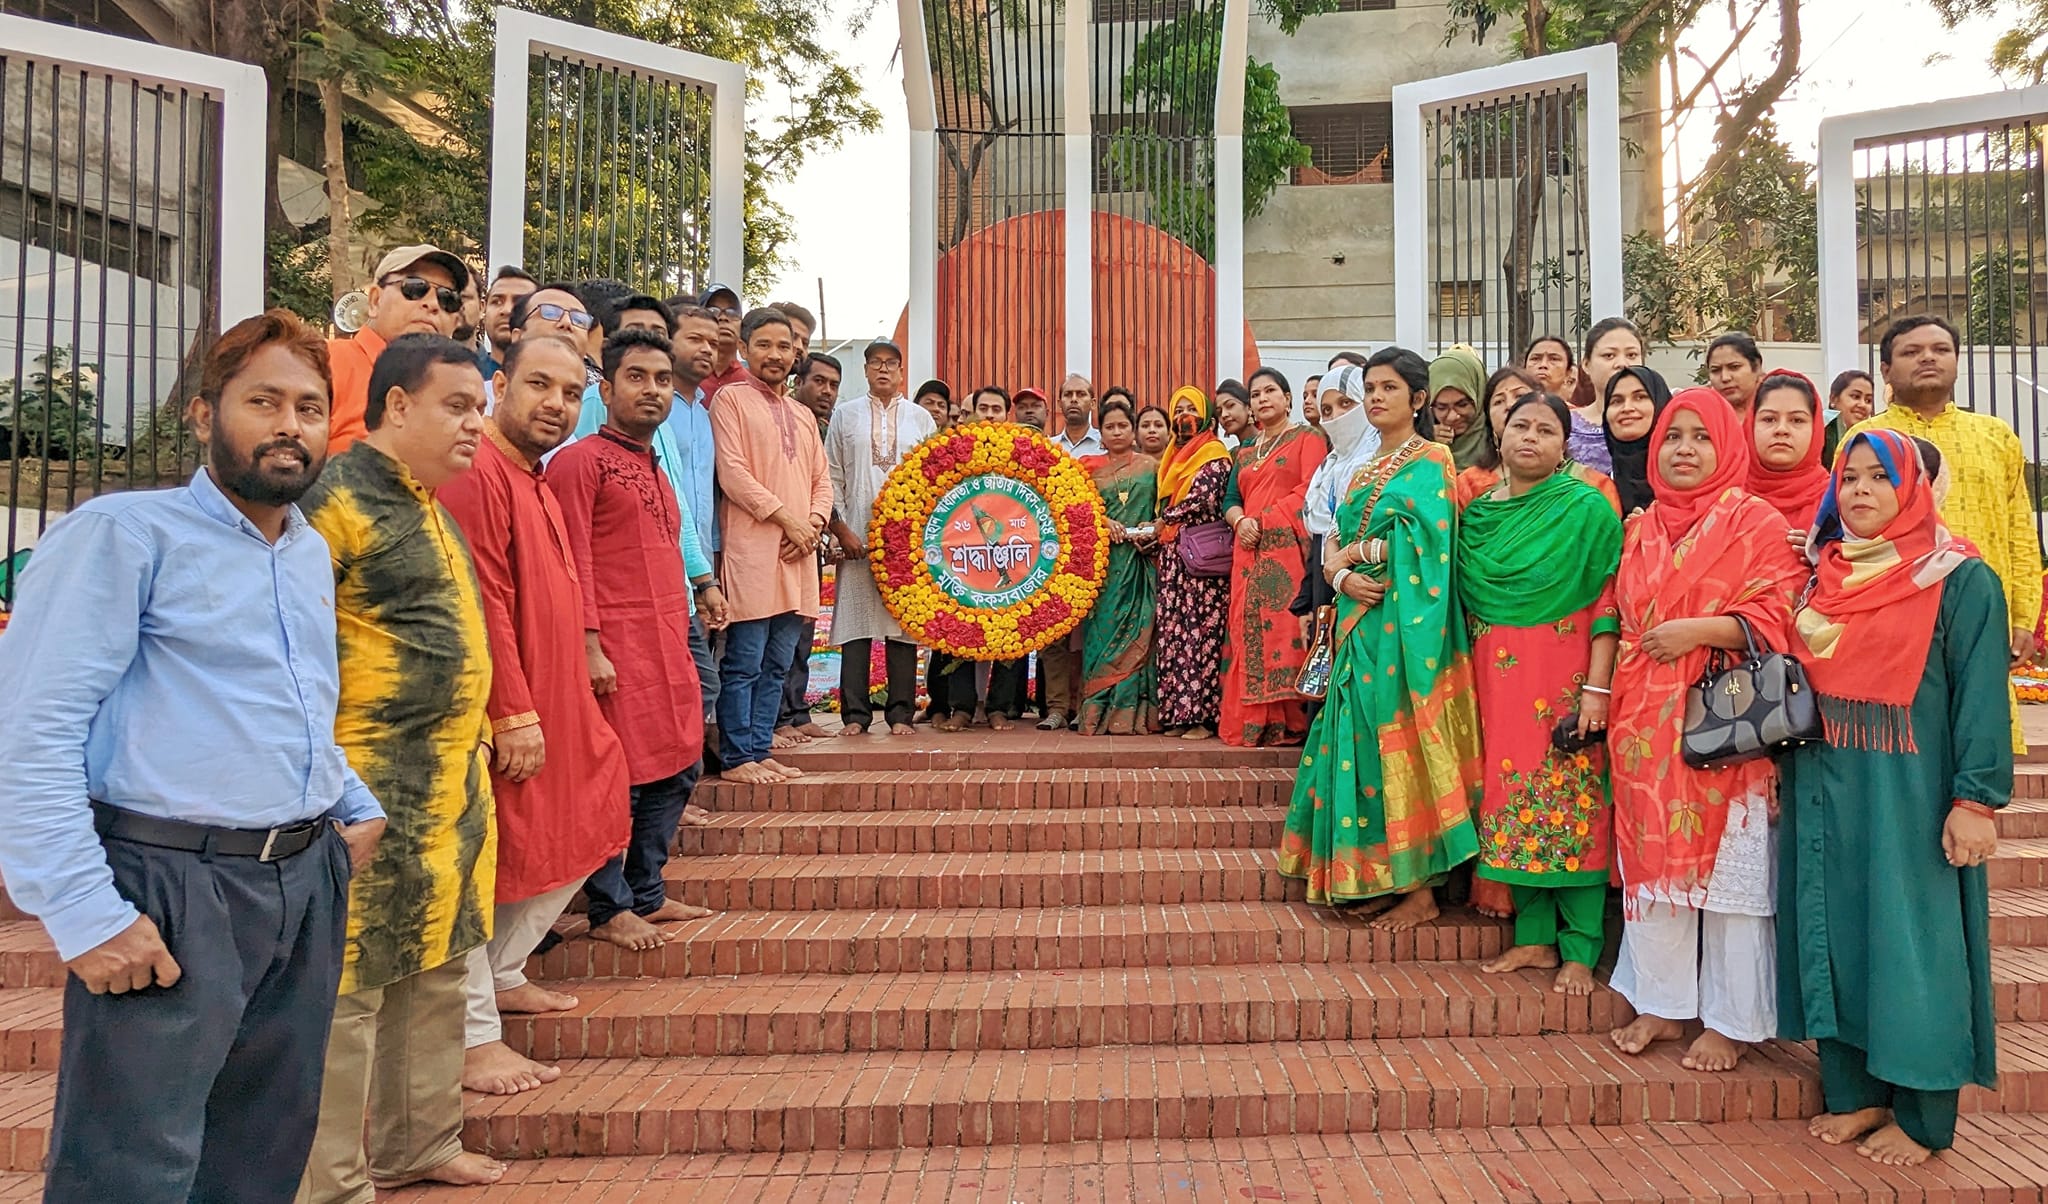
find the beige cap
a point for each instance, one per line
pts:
(404, 257)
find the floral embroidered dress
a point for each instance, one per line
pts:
(1117, 676)
(1192, 611)
(1262, 658)
(1384, 797)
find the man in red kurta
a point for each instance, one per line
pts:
(558, 772)
(625, 531)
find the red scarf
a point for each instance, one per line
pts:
(1794, 491)
(1867, 628)
(1679, 509)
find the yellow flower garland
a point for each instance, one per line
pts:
(910, 589)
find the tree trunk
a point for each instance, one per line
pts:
(339, 267)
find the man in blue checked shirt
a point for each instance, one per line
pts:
(178, 814)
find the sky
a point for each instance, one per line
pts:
(850, 204)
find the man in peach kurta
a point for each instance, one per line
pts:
(777, 494)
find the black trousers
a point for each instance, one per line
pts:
(632, 880)
(209, 1090)
(1007, 687)
(854, 705)
(795, 711)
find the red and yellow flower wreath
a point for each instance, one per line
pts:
(902, 563)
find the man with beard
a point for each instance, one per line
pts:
(414, 719)
(625, 535)
(558, 773)
(778, 495)
(157, 633)
(817, 390)
(417, 290)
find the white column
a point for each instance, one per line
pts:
(1229, 249)
(510, 65)
(923, 352)
(729, 181)
(1411, 222)
(1603, 186)
(1077, 123)
(1836, 189)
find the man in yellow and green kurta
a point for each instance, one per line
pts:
(415, 679)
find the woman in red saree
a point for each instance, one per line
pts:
(1694, 845)
(1262, 658)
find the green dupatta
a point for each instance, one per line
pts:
(1533, 559)
(1116, 645)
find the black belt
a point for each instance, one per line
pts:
(264, 844)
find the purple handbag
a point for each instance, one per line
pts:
(1205, 549)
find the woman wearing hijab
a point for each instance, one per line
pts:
(1636, 397)
(1883, 934)
(1785, 437)
(1352, 442)
(1116, 647)
(1193, 472)
(1535, 562)
(1457, 399)
(1262, 502)
(1382, 802)
(1694, 845)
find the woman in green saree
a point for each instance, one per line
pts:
(1116, 648)
(1383, 801)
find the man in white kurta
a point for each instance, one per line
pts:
(869, 436)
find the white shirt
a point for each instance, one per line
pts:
(1089, 444)
(859, 468)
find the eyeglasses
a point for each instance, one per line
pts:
(412, 288)
(548, 311)
(723, 312)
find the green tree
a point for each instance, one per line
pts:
(2021, 52)
(54, 414)
(2000, 283)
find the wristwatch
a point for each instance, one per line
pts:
(698, 590)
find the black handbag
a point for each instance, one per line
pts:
(1748, 709)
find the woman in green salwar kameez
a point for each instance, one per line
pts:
(1884, 953)
(1116, 644)
(1383, 800)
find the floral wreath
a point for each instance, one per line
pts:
(1061, 574)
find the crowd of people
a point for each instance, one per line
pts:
(459, 608)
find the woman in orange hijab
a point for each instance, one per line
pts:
(1194, 595)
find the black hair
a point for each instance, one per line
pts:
(521, 305)
(1930, 456)
(1553, 401)
(760, 318)
(512, 271)
(1118, 405)
(797, 313)
(1345, 357)
(1845, 379)
(1233, 388)
(517, 351)
(604, 291)
(1115, 391)
(633, 338)
(1489, 451)
(1414, 372)
(1743, 345)
(814, 359)
(1571, 358)
(1277, 377)
(998, 390)
(404, 364)
(616, 313)
(1913, 322)
(1607, 326)
(1786, 380)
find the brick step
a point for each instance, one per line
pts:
(1996, 1158)
(2023, 818)
(1038, 788)
(1021, 880)
(2019, 863)
(2030, 773)
(929, 751)
(998, 940)
(2019, 918)
(1134, 827)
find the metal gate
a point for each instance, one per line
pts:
(123, 165)
(1507, 203)
(632, 157)
(1939, 209)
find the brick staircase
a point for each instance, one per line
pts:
(1031, 968)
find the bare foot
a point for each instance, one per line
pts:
(1644, 1031)
(757, 773)
(786, 737)
(812, 730)
(1574, 979)
(1841, 1128)
(1361, 908)
(778, 767)
(687, 820)
(1713, 1053)
(467, 1169)
(674, 911)
(531, 998)
(1521, 957)
(495, 1069)
(695, 812)
(628, 931)
(854, 729)
(1418, 907)
(902, 729)
(1196, 733)
(1890, 1146)
(951, 723)
(999, 723)
(1493, 913)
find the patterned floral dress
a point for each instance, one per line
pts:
(1263, 657)
(1193, 613)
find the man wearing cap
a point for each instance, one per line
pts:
(869, 436)
(936, 400)
(416, 289)
(1029, 408)
(726, 367)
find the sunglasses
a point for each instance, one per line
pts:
(412, 288)
(722, 312)
(548, 311)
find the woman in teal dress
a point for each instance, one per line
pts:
(1884, 952)
(1116, 645)
(1383, 800)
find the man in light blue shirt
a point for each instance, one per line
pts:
(177, 813)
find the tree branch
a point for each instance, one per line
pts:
(1757, 101)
